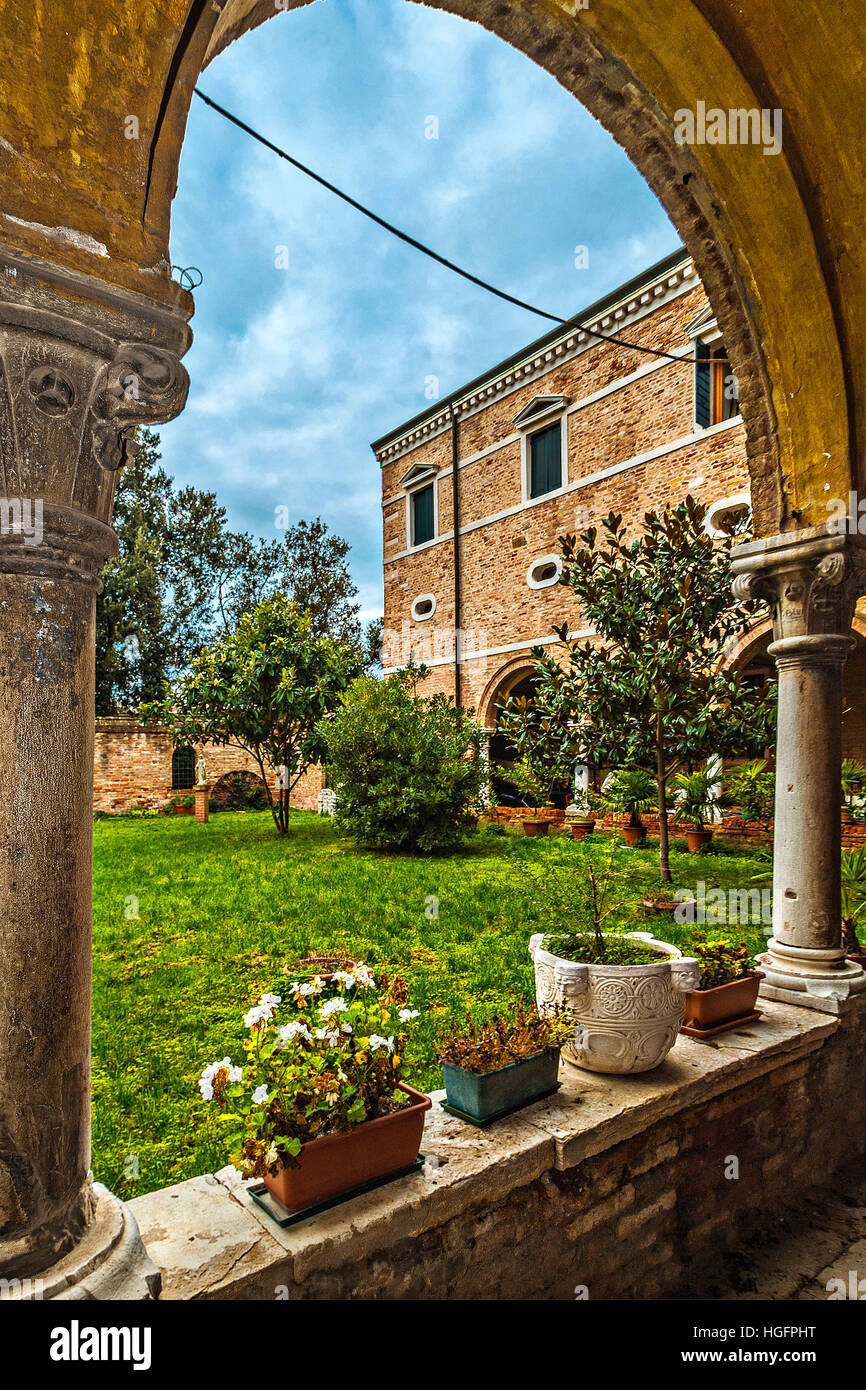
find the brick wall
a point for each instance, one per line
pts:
(132, 767)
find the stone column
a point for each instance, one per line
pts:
(811, 580)
(80, 365)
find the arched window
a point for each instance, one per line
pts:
(183, 769)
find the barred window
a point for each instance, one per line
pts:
(183, 769)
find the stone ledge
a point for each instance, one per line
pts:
(212, 1241)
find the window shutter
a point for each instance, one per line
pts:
(545, 461)
(422, 516)
(703, 391)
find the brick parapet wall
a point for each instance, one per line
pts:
(624, 1185)
(132, 767)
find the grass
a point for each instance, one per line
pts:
(192, 923)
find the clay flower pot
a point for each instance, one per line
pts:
(485, 1096)
(634, 835)
(723, 1006)
(581, 828)
(533, 826)
(340, 1162)
(627, 1017)
(697, 839)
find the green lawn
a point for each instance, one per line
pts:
(222, 907)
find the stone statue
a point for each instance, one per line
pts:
(201, 770)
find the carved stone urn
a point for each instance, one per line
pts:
(626, 1017)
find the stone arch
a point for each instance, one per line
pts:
(499, 685)
(763, 231)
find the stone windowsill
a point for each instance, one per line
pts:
(212, 1241)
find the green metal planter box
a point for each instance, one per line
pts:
(482, 1098)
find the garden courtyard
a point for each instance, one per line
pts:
(193, 923)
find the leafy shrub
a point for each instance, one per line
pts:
(722, 962)
(406, 767)
(239, 791)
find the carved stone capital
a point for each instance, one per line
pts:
(810, 580)
(81, 365)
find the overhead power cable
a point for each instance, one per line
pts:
(428, 251)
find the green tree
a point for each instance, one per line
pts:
(653, 691)
(406, 768)
(266, 688)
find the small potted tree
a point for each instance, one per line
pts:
(751, 787)
(698, 798)
(319, 1107)
(495, 1066)
(728, 989)
(629, 791)
(578, 813)
(533, 782)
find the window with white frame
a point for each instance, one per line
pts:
(420, 487)
(544, 446)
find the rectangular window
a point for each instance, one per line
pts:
(423, 527)
(545, 461)
(716, 394)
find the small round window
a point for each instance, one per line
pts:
(727, 517)
(544, 572)
(424, 606)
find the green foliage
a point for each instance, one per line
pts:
(332, 1062)
(406, 768)
(853, 781)
(265, 688)
(182, 579)
(698, 795)
(653, 691)
(613, 948)
(752, 787)
(532, 779)
(722, 962)
(484, 1044)
(628, 792)
(853, 895)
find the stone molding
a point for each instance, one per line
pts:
(810, 580)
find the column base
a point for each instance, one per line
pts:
(823, 980)
(109, 1263)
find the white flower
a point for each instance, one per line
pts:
(330, 1036)
(343, 978)
(273, 1154)
(206, 1079)
(260, 1095)
(236, 1073)
(298, 1029)
(333, 1006)
(406, 1014)
(346, 1027)
(270, 1000)
(312, 986)
(376, 1042)
(205, 1087)
(362, 976)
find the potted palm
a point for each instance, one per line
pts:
(319, 1107)
(629, 791)
(727, 991)
(751, 787)
(624, 990)
(698, 798)
(853, 781)
(492, 1067)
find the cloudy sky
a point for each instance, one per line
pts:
(296, 368)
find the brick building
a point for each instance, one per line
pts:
(547, 442)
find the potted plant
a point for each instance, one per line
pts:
(853, 902)
(578, 813)
(727, 991)
(698, 798)
(496, 1066)
(533, 782)
(319, 1106)
(630, 790)
(184, 805)
(625, 991)
(751, 786)
(853, 781)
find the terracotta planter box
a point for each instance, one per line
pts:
(533, 827)
(634, 834)
(697, 839)
(724, 1004)
(340, 1162)
(581, 828)
(859, 958)
(184, 810)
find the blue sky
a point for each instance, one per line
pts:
(295, 370)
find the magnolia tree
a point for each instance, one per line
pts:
(652, 692)
(265, 688)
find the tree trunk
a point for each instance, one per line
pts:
(661, 784)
